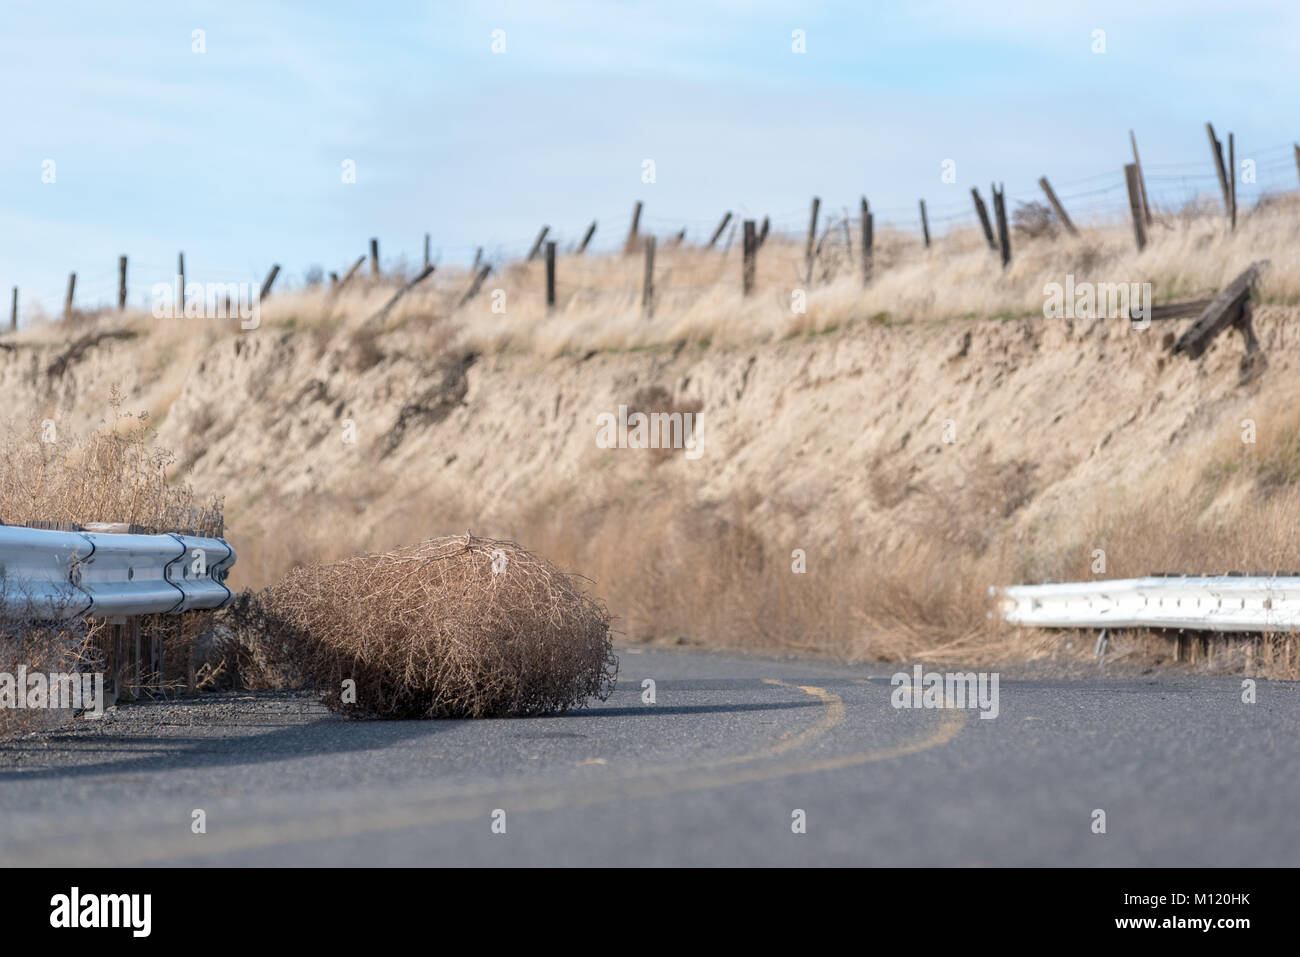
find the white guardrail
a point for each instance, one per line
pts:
(1210, 603)
(58, 575)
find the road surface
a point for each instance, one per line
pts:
(714, 772)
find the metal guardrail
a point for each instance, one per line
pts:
(66, 574)
(1241, 603)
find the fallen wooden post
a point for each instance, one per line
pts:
(424, 274)
(1226, 309)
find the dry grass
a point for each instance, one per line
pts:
(698, 296)
(43, 647)
(114, 473)
(457, 627)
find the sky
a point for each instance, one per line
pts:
(236, 155)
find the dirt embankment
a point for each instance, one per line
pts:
(854, 491)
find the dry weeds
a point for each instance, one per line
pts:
(456, 627)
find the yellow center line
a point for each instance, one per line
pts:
(421, 813)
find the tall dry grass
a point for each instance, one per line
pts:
(698, 296)
(113, 473)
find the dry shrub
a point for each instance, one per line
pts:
(115, 473)
(45, 647)
(453, 627)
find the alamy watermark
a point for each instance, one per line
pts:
(53, 690)
(649, 430)
(208, 300)
(1101, 300)
(951, 690)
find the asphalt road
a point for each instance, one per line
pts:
(712, 773)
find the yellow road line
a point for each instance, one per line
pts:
(126, 849)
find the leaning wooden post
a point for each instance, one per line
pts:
(1135, 205)
(812, 237)
(1216, 151)
(550, 274)
(477, 284)
(478, 259)
(1000, 212)
(925, 226)
(762, 232)
(67, 302)
(270, 278)
(634, 230)
(121, 283)
(537, 246)
(374, 257)
(648, 283)
(1232, 180)
(591, 231)
(1142, 180)
(726, 218)
(13, 311)
(983, 213)
(352, 271)
(1057, 207)
(749, 247)
(867, 223)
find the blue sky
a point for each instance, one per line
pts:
(235, 155)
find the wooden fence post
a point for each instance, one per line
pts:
(1216, 151)
(633, 231)
(983, 213)
(537, 246)
(478, 259)
(867, 224)
(1000, 213)
(726, 218)
(1135, 205)
(1297, 158)
(1232, 189)
(374, 257)
(426, 250)
(925, 226)
(1142, 180)
(1056, 206)
(591, 231)
(180, 271)
(67, 303)
(13, 312)
(648, 283)
(812, 238)
(121, 283)
(477, 283)
(762, 232)
(352, 272)
(270, 278)
(749, 247)
(550, 275)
